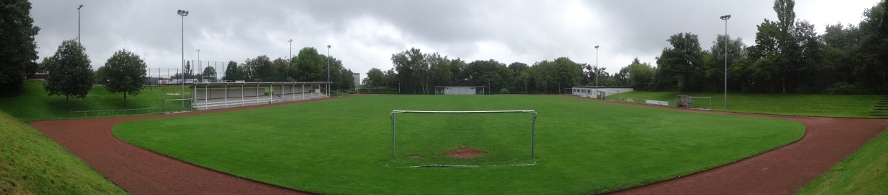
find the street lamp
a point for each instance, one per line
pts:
(198, 64)
(183, 13)
(596, 70)
(78, 23)
(328, 71)
(725, 18)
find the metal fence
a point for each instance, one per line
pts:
(106, 113)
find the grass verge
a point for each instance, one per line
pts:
(863, 172)
(341, 146)
(856, 106)
(31, 163)
(36, 104)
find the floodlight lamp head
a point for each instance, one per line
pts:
(726, 17)
(183, 13)
(328, 46)
(291, 40)
(596, 47)
(78, 7)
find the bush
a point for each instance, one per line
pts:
(504, 91)
(845, 89)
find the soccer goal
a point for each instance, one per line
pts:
(462, 138)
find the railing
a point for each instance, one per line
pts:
(102, 113)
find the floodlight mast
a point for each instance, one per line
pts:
(78, 23)
(726, 18)
(596, 70)
(328, 71)
(183, 13)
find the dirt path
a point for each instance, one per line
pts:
(781, 171)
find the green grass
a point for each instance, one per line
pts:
(857, 106)
(341, 146)
(31, 163)
(863, 172)
(36, 104)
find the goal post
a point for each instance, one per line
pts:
(425, 138)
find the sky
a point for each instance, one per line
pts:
(364, 34)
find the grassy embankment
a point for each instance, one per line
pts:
(31, 163)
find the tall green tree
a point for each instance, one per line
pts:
(232, 73)
(17, 47)
(641, 75)
(715, 69)
(872, 54)
(521, 75)
(487, 73)
(209, 73)
(101, 75)
(70, 72)
(683, 62)
(125, 73)
(375, 78)
(310, 65)
(412, 71)
(439, 70)
(839, 42)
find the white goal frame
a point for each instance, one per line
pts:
(532, 125)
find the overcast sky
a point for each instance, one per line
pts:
(364, 34)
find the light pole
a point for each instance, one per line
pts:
(596, 71)
(183, 13)
(725, 18)
(290, 60)
(328, 70)
(198, 65)
(78, 23)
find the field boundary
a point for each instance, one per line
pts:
(782, 170)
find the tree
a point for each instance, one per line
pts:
(101, 75)
(872, 54)
(412, 70)
(439, 70)
(375, 78)
(310, 65)
(641, 75)
(69, 71)
(17, 47)
(716, 63)
(125, 73)
(232, 73)
(209, 72)
(682, 62)
(487, 73)
(521, 75)
(260, 68)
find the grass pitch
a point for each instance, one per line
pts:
(341, 146)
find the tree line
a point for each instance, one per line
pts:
(788, 57)
(308, 65)
(418, 73)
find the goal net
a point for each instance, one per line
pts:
(462, 138)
